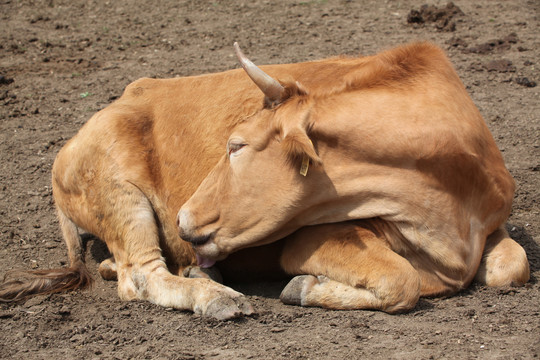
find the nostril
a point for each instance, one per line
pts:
(186, 230)
(183, 221)
(183, 225)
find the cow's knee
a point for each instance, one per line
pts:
(399, 292)
(127, 289)
(504, 262)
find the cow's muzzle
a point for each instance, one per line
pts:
(187, 230)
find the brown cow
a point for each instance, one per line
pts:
(126, 173)
(393, 139)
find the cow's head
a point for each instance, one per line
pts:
(270, 173)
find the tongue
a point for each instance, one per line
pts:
(204, 263)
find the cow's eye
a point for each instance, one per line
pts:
(233, 148)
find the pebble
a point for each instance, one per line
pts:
(523, 81)
(64, 310)
(76, 338)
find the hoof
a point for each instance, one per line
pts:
(224, 308)
(195, 272)
(107, 269)
(295, 291)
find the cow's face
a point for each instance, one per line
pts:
(265, 178)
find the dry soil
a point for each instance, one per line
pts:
(61, 61)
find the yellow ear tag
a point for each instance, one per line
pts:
(305, 166)
(305, 163)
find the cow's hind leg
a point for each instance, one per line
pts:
(130, 230)
(346, 266)
(107, 269)
(504, 262)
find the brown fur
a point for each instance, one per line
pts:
(124, 176)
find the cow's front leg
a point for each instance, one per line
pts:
(153, 282)
(205, 296)
(345, 266)
(132, 236)
(107, 270)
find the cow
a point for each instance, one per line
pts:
(372, 180)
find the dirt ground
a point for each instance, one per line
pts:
(61, 61)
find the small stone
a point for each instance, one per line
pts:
(50, 245)
(64, 310)
(523, 81)
(5, 80)
(76, 338)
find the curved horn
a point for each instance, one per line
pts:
(268, 85)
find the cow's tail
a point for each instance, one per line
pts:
(21, 285)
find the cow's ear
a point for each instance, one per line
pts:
(299, 148)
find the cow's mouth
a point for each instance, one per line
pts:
(207, 253)
(201, 239)
(203, 262)
(198, 245)
(205, 250)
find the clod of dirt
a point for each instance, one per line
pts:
(511, 38)
(457, 42)
(5, 80)
(442, 17)
(494, 45)
(523, 81)
(64, 310)
(476, 67)
(39, 18)
(5, 315)
(502, 66)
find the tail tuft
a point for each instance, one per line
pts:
(42, 282)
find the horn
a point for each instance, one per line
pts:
(268, 85)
